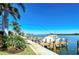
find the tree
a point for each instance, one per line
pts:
(5, 10)
(16, 27)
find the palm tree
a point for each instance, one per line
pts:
(5, 10)
(16, 27)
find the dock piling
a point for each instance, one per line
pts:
(54, 46)
(66, 42)
(45, 42)
(78, 47)
(50, 44)
(60, 43)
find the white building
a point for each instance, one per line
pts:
(52, 38)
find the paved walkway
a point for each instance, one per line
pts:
(39, 50)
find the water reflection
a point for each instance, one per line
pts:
(67, 49)
(60, 50)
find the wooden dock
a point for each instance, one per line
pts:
(55, 44)
(48, 44)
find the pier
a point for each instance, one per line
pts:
(48, 44)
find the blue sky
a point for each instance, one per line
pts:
(43, 18)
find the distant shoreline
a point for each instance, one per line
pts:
(65, 34)
(55, 34)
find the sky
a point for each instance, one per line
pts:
(43, 18)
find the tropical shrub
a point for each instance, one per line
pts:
(1, 39)
(20, 43)
(14, 42)
(1, 42)
(4, 44)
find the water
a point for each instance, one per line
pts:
(71, 49)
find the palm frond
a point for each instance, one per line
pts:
(13, 15)
(15, 12)
(1, 10)
(22, 6)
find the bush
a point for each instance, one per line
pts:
(1, 42)
(4, 42)
(14, 42)
(20, 43)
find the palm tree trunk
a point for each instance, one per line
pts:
(5, 22)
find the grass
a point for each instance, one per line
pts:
(3, 53)
(27, 51)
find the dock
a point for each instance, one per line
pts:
(48, 44)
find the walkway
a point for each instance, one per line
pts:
(39, 50)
